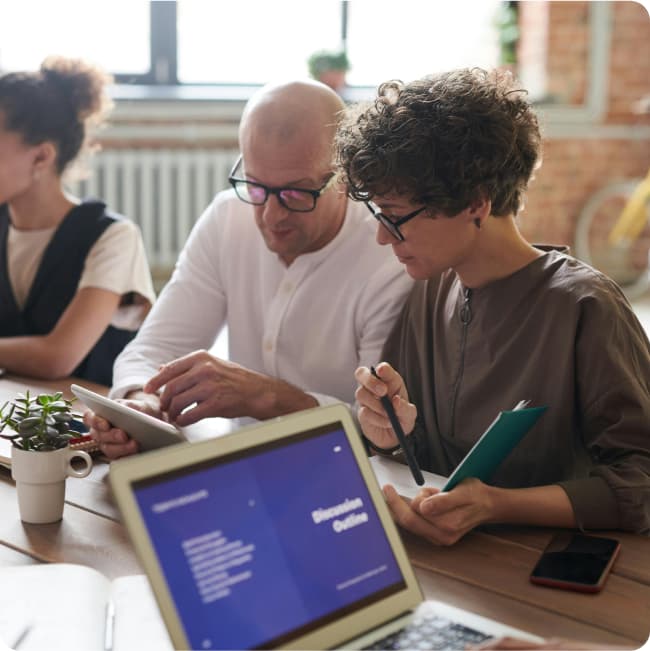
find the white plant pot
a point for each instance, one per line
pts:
(40, 481)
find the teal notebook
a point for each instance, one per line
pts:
(508, 428)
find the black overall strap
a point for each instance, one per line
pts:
(11, 319)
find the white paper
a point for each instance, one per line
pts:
(399, 475)
(138, 624)
(61, 606)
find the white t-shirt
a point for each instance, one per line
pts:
(310, 324)
(116, 262)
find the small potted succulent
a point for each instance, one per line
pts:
(329, 67)
(40, 428)
(38, 423)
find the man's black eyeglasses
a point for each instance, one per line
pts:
(257, 194)
(392, 224)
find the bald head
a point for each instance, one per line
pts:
(286, 138)
(298, 115)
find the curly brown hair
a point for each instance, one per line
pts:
(58, 103)
(445, 141)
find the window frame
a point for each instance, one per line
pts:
(161, 83)
(163, 48)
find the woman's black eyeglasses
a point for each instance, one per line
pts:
(392, 224)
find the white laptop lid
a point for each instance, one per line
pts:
(274, 536)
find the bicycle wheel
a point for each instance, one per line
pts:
(627, 262)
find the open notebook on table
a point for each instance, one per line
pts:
(65, 607)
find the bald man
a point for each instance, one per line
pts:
(287, 262)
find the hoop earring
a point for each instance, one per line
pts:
(477, 223)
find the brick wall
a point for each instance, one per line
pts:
(567, 50)
(610, 149)
(629, 72)
(572, 170)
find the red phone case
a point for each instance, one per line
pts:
(552, 582)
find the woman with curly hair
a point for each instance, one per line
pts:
(74, 279)
(443, 164)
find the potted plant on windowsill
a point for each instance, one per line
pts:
(329, 67)
(40, 429)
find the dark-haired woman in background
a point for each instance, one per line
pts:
(74, 280)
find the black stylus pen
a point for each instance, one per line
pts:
(401, 437)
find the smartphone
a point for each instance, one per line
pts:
(574, 561)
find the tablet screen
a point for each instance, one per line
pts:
(150, 432)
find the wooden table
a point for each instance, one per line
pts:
(486, 572)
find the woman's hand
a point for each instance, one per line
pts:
(443, 518)
(372, 415)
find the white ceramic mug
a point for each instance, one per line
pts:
(40, 481)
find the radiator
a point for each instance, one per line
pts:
(163, 190)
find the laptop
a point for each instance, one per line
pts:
(278, 536)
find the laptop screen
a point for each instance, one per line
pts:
(268, 543)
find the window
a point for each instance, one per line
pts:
(250, 42)
(419, 39)
(31, 30)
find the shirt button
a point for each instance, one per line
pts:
(268, 346)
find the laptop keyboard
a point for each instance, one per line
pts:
(431, 632)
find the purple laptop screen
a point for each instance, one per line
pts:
(270, 543)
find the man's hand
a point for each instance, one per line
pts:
(559, 643)
(372, 416)
(215, 387)
(443, 518)
(113, 441)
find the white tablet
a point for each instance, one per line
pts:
(149, 432)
